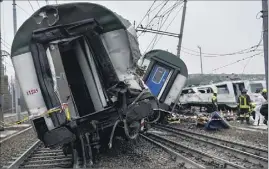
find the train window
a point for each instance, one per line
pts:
(201, 91)
(191, 91)
(205, 90)
(223, 89)
(185, 91)
(241, 86)
(255, 86)
(209, 90)
(158, 75)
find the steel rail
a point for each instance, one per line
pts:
(47, 158)
(183, 160)
(39, 157)
(15, 134)
(243, 147)
(208, 158)
(255, 159)
(23, 156)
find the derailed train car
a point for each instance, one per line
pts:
(166, 76)
(76, 64)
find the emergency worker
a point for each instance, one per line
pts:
(264, 94)
(259, 100)
(264, 112)
(252, 110)
(244, 106)
(214, 101)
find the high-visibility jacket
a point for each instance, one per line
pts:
(252, 107)
(214, 99)
(244, 102)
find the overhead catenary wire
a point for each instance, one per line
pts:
(243, 51)
(246, 65)
(5, 43)
(260, 12)
(240, 60)
(156, 15)
(149, 10)
(155, 36)
(159, 28)
(251, 50)
(171, 10)
(23, 10)
(178, 2)
(37, 3)
(31, 5)
(169, 24)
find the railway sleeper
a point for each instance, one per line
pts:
(246, 148)
(206, 158)
(235, 152)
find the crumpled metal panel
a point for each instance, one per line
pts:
(121, 55)
(132, 38)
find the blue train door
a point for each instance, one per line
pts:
(156, 79)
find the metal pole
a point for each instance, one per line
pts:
(14, 17)
(1, 78)
(265, 37)
(17, 86)
(201, 60)
(12, 95)
(180, 36)
(181, 29)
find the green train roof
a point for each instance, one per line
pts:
(68, 13)
(168, 58)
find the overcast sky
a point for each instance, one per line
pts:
(218, 27)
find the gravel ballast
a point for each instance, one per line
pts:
(135, 154)
(15, 145)
(212, 150)
(259, 139)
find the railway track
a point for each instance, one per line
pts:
(205, 160)
(231, 152)
(188, 149)
(37, 156)
(180, 158)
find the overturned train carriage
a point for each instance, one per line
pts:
(75, 65)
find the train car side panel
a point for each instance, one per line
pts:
(175, 89)
(29, 85)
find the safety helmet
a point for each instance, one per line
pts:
(264, 91)
(244, 91)
(253, 105)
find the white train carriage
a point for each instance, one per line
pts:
(256, 85)
(197, 94)
(227, 93)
